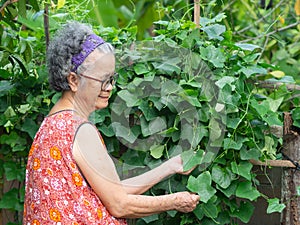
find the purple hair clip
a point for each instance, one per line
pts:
(91, 42)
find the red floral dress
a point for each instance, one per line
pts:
(56, 191)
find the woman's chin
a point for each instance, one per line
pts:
(101, 105)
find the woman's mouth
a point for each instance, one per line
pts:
(103, 97)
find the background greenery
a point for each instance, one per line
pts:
(246, 47)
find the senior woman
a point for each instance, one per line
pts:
(70, 177)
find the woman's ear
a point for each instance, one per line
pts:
(73, 81)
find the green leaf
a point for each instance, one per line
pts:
(221, 176)
(35, 5)
(226, 80)
(231, 190)
(213, 55)
(124, 132)
(269, 148)
(250, 154)
(248, 71)
(244, 212)
(169, 87)
(274, 103)
(14, 171)
(233, 122)
(12, 139)
(10, 200)
(247, 47)
(130, 99)
(149, 219)
(198, 211)
(202, 186)
(214, 31)
(5, 75)
(21, 64)
(148, 110)
(104, 12)
(169, 131)
(157, 125)
(28, 53)
(24, 108)
(133, 159)
(140, 69)
(10, 112)
(262, 108)
(251, 57)
(108, 131)
(231, 144)
(5, 87)
(210, 209)
(157, 151)
(22, 8)
(167, 67)
(191, 158)
(215, 131)
(193, 134)
(274, 206)
(218, 18)
(265, 109)
(246, 190)
(243, 169)
(296, 116)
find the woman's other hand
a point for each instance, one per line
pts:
(186, 201)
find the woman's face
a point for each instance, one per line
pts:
(92, 94)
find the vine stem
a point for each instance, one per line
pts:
(6, 4)
(264, 48)
(246, 112)
(272, 32)
(261, 19)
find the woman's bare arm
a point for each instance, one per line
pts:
(140, 184)
(99, 170)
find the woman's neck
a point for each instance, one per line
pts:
(67, 102)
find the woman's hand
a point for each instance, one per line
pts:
(176, 165)
(186, 201)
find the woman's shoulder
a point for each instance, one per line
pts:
(65, 122)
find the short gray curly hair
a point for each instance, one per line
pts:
(67, 43)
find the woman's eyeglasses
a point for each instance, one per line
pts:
(105, 83)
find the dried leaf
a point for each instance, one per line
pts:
(297, 7)
(277, 74)
(60, 3)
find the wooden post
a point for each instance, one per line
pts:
(1, 193)
(46, 25)
(290, 177)
(197, 12)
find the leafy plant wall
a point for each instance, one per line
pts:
(200, 92)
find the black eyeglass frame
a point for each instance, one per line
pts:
(111, 80)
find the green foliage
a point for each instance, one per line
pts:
(216, 116)
(25, 99)
(182, 90)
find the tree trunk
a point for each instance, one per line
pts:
(291, 177)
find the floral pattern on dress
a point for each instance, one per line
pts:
(56, 191)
